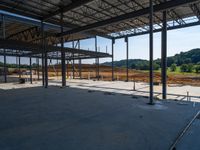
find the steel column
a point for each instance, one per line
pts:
(63, 54)
(4, 51)
(80, 65)
(164, 56)
(31, 79)
(97, 59)
(67, 68)
(42, 43)
(151, 53)
(113, 42)
(73, 69)
(46, 67)
(127, 56)
(19, 66)
(45, 59)
(38, 68)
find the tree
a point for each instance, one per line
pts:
(173, 67)
(156, 66)
(184, 67)
(197, 69)
(190, 67)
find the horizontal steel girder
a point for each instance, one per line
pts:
(157, 8)
(37, 48)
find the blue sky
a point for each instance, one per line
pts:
(178, 40)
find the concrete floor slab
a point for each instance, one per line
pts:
(70, 118)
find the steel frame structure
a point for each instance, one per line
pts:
(40, 25)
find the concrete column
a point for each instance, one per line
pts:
(113, 42)
(151, 101)
(30, 65)
(164, 56)
(63, 54)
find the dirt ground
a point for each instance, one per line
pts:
(105, 74)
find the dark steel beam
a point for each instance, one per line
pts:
(160, 30)
(64, 9)
(37, 48)
(159, 7)
(164, 56)
(151, 11)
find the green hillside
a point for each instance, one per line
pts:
(189, 57)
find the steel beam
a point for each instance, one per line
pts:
(113, 42)
(36, 48)
(164, 56)
(151, 11)
(67, 8)
(63, 54)
(31, 79)
(142, 12)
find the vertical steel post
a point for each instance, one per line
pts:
(127, 56)
(73, 70)
(80, 66)
(19, 66)
(63, 54)
(97, 59)
(57, 67)
(4, 51)
(164, 56)
(67, 68)
(31, 79)
(151, 53)
(38, 68)
(113, 42)
(46, 65)
(45, 59)
(42, 43)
